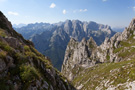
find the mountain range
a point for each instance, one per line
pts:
(32, 29)
(87, 65)
(52, 39)
(109, 66)
(19, 25)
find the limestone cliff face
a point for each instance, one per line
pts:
(80, 56)
(119, 43)
(22, 67)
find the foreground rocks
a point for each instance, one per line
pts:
(22, 67)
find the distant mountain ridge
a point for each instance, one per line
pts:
(19, 25)
(32, 29)
(52, 40)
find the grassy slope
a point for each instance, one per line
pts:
(126, 48)
(114, 73)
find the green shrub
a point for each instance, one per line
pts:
(21, 59)
(26, 48)
(19, 56)
(8, 48)
(3, 54)
(91, 46)
(35, 51)
(2, 33)
(125, 44)
(108, 57)
(127, 52)
(30, 54)
(132, 74)
(28, 73)
(5, 47)
(117, 50)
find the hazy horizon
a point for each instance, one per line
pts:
(25, 24)
(115, 13)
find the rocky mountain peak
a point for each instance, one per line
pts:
(132, 24)
(76, 21)
(91, 43)
(68, 27)
(128, 31)
(68, 22)
(72, 40)
(71, 45)
(78, 55)
(83, 40)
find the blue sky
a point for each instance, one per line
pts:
(116, 13)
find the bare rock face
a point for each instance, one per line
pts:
(79, 56)
(2, 65)
(109, 46)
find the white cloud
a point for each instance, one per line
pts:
(104, 0)
(64, 11)
(83, 10)
(53, 5)
(13, 13)
(134, 8)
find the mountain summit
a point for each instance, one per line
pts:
(108, 66)
(54, 38)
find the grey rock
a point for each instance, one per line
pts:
(78, 55)
(87, 54)
(2, 65)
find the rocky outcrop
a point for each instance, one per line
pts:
(79, 56)
(22, 67)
